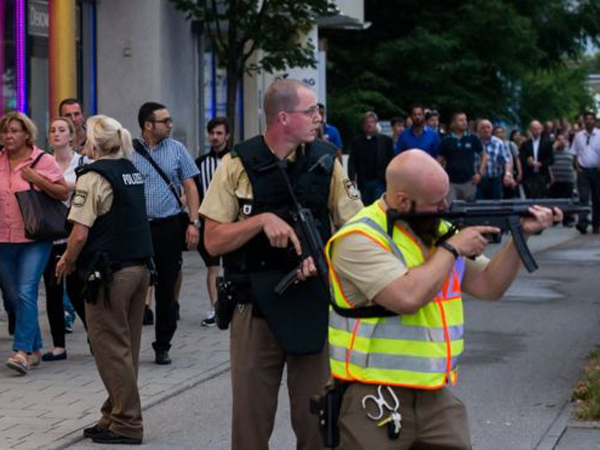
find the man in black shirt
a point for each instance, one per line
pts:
(457, 155)
(218, 136)
(370, 154)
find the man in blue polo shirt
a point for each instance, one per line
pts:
(418, 135)
(458, 156)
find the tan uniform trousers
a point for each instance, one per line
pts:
(115, 332)
(257, 363)
(431, 420)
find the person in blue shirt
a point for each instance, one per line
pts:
(397, 124)
(418, 135)
(330, 133)
(164, 209)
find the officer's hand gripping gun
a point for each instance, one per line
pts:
(503, 214)
(307, 232)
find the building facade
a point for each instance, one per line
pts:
(115, 55)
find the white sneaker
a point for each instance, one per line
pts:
(209, 321)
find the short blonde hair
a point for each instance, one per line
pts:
(106, 136)
(27, 124)
(282, 95)
(66, 120)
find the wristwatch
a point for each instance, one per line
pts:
(196, 223)
(446, 246)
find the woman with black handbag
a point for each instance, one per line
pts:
(22, 260)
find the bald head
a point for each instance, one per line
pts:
(414, 174)
(282, 95)
(484, 129)
(536, 128)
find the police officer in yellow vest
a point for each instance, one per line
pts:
(395, 367)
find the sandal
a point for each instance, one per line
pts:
(19, 363)
(35, 359)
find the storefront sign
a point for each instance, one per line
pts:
(38, 19)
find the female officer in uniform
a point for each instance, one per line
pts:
(110, 246)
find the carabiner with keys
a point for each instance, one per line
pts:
(381, 402)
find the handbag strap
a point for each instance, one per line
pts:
(139, 147)
(33, 164)
(37, 159)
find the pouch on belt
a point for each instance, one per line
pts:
(299, 317)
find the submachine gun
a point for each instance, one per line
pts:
(325, 407)
(307, 232)
(503, 214)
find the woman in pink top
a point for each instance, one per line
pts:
(22, 260)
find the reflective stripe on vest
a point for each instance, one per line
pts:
(419, 350)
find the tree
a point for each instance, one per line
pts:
(487, 57)
(552, 94)
(237, 28)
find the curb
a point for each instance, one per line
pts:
(556, 429)
(76, 436)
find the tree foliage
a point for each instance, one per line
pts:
(551, 94)
(239, 27)
(493, 58)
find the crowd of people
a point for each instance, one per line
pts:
(133, 208)
(136, 204)
(554, 159)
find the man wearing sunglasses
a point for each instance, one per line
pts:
(167, 168)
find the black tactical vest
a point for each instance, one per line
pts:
(310, 175)
(298, 317)
(123, 233)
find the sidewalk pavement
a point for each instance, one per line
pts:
(49, 406)
(568, 433)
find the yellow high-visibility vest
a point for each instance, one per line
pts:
(418, 350)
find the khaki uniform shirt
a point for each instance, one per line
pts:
(93, 197)
(231, 184)
(364, 268)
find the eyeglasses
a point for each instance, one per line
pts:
(165, 121)
(312, 112)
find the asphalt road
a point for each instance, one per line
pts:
(523, 356)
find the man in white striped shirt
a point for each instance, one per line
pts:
(586, 148)
(218, 136)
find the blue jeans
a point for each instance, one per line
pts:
(21, 269)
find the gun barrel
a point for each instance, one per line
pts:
(518, 206)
